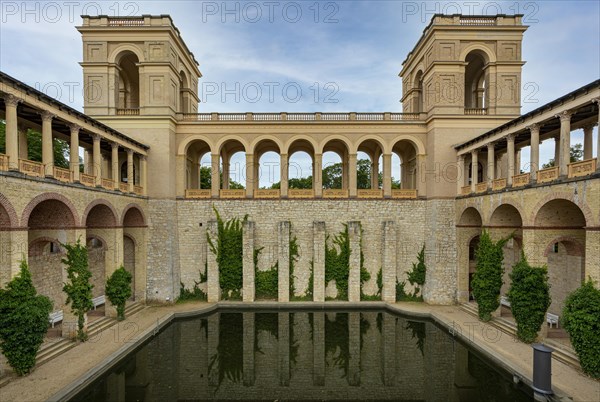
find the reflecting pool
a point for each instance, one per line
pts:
(309, 355)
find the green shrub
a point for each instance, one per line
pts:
(529, 297)
(337, 263)
(267, 282)
(118, 290)
(487, 279)
(581, 319)
(416, 276)
(79, 288)
(23, 321)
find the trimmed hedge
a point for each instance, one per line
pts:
(529, 297)
(581, 319)
(118, 290)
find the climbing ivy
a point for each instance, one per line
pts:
(196, 293)
(581, 319)
(529, 297)
(267, 282)
(337, 263)
(376, 296)
(487, 279)
(79, 288)
(229, 252)
(293, 248)
(23, 321)
(416, 277)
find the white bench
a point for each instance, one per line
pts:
(552, 319)
(54, 317)
(504, 301)
(98, 301)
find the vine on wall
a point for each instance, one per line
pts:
(229, 252)
(416, 277)
(267, 282)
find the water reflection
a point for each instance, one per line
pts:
(303, 356)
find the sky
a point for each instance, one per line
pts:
(273, 56)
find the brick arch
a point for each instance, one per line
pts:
(47, 197)
(470, 220)
(88, 237)
(585, 210)
(96, 203)
(510, 204)
(8, 215)
(587, 213)
(140, 219)
(572, 245)
(42, 239)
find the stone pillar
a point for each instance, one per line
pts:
(115, 164)
(212, 271)
(518, 162)
(318, 175)
(283, 259)
(214, 175)
(375, 171)
(248, 261)
(97, 157)
(11, 130)
(74, 152)
(388, 353)
(421, 175)
(226, 171)
(491, 163)
(319, 261)
(352, 190)
(387, 175)
(86, 161)
(144, 174)
(388, 293)
(283, 344)
(588, 131)
(250, 178)
(283, 175)
(47, 148)
(474, 169)
(22, 134)
(565, 143)
(556, 151)
(354, 234)
(130, 178)
(354, 348)
(534, 163)
(460, 174)
(248, 348)
(318, 348)
(510, 144)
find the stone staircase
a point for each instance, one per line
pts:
(52, 349)
(562, 352)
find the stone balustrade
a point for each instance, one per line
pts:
(267, 193)
(62, 174)
(293, 117)
(31, 168)
(233, 193)
(481, 187)
(547, 175)
(3, 162)
(197, 193)
(295, 193)
(335, 193)
(521, 180)
(124, 187)
(378, 193)
(301, 193)
(582, 168)
(465, 190)
(404, 193)
(108, 184)
(498, 184)
(87, 180)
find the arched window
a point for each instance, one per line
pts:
(475, 80)
(129, 81)
(184, 106)
(418, 99)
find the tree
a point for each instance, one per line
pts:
(206, 179)
(118, 290)
(529, 297)
(79, 288)
(23, 321)
(487, 279)
(34, 147)
(299, 183)
(576, 154)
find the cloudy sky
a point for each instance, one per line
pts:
(303, 55)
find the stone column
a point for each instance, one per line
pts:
(491, 163)
(214, 175)
(248, 261)
(387, 175)
(556, 151)
(597, 101)
(319, 261)
(86, 161)
(354, 348)
(250, 178)
(226, 171)
(354, 275)
(12, 133)
(130, 178)
(283, 259)
(97, 157)
(74, 152)
(318, 348)
(248, 348)
(420, 175)
(22, 134)
(115, 164)
(388, 293)
(352, 190)
(144, 174)
(510, 144)
(534, 163)
(47, 148)
(474, 169)
(518, 162)
(212, 271)
(565, 143)
(283, 175)
(318, 175)
(375, 171)
(283, 344)
(460, 174)
(588, 131)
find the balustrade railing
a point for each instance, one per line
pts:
(62, 174)
(108, 184)
(128, 112)
(31, 168)
(481, 187)
(404, 193)
(267, 193)
(376, 193)
(335, 193)
(205, 117)
(465, 190)
(3, 162)
(499, 184)
(582, 168)
(233, 193)
(301, 193)
(477, 111)
(124, 187)
(521, 180)
(139, 190)
(197, 193)
(547, 175)
(87, 180)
